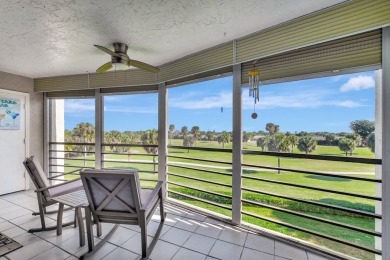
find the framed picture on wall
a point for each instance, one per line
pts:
(9, 114)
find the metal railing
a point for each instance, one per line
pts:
(188, 187)
(82, 156)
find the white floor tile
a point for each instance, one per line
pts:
(134, 243)
(233, 235)
(29, 251)
(210, 230)
(250, 254)
(188, 255)
(312, 256)
(121, 235)
(163, 251)
(199, 243)
(224, 250)
(290, 252)
(260, 243)
(53, 254)
(120, 253)
(176, 236)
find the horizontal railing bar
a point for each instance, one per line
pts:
(335, 239)
(67, 173)
(197, 169)
(201, 190)
(59, 180)
(202, 200)
(134, 162)
(148, 180)
(355, 211)
(201, 149)
(312, 173)
(132, 145)
(132, 154)
(81, 167)
(198, 159)
(317, 157)
(71, 143)
(198, 179)
(315, 188)
(151, 172)
(323, 220)
(72, 159)
(71, 151)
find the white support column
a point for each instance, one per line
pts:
(46, 137)
(237, 145)
(378, 154)
(386, 143)
(162, 136)
(99, 114)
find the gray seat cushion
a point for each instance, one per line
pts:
(66, 188)
(38, 174)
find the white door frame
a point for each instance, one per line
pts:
(27, 126)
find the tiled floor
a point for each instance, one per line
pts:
(186, 235)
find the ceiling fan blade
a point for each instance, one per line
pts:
(108, 51)
(142, 66)
(104, 67)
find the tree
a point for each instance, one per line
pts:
(84, 133)
(247, 136)
(209, 136)
(224, 138)
(184, 131)
(278, 142)
(347, 145)
(150, 137)
(261, 142)
(171, 130)
(293, 139)
(354, 137)
(272, 128)
(68, 136)
(307, 144)
(195, 131)
(113, 137)
(188, 141)
(362, 128)
(371, 142)
(329, 138)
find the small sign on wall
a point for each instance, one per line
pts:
(9, 114)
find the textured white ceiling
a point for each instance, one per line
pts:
(55, 37)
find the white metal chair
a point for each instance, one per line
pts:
(115, 196)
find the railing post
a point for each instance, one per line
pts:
(46, 145)
(237, 146)
(162, 136)
(386, 143)
(99, 114)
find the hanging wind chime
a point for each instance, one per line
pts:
(254, 87)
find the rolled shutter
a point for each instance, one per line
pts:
(71, 93)
(350, 52)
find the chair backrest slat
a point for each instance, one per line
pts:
(37, 174)
(114, 194)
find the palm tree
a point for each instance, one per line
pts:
(113, 137)
(293, 139)
(224, 138)
(307, 144)
(84, 133)
(171, 129)
(272, 128)
(184, 131)
(188, 141)
(195, 131)
(209, 136)
(150, 137)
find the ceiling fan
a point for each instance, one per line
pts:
(121, 60)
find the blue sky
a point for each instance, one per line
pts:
(323, 104)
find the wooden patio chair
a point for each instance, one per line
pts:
(45, 192)
(115, 196)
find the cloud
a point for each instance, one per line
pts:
(193, 101)
(124, 109)
(78, 106)
(358, 83)
(307, 99)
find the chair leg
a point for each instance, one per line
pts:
(41, 210)
(144, 235)
(162, 213)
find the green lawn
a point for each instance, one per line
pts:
(332, 183)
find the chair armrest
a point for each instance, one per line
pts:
(56, 185)
(152, 196)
